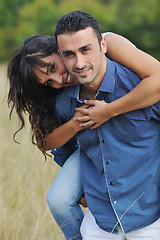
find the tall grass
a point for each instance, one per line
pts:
(24, 181)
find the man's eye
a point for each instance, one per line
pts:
(68, 54)
(85, 50)
(48, 82)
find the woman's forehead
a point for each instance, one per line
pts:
(54, 57)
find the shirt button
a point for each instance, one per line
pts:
(107, 163)
(111, 183)
(103, 141)
(115, 202)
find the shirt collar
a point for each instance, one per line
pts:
(107, 85)
(74, 91)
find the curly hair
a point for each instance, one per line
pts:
(26, 95)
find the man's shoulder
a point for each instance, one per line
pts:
(125, 70)
(66, 92)
(122, 72)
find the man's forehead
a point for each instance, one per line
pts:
(78, 39)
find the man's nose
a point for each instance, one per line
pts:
(79, 62)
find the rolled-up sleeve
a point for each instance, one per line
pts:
(61, 154)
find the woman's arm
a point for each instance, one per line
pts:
(146, 93)
(61, 135)
(64, 133)
(148, 68)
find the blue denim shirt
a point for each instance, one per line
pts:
(120, 160)
(61, 154)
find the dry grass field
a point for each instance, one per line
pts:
(24, 182)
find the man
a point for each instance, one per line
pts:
(120, 160)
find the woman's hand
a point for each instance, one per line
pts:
(76, 122)
(94, 113)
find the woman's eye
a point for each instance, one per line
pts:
(53, 68)
(48, 82)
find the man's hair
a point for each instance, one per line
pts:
(75, 21)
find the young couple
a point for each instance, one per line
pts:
(118, 162)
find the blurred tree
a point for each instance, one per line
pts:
(9, 11)
(33, 17)
(137, 20)
(37, 17)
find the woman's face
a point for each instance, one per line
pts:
(56, 74)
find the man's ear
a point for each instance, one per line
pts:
(104, 45)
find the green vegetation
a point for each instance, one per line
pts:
(24, 178)
(25, 181)
(137, 20)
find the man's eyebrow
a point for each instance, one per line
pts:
(64, 52)
(86, 46)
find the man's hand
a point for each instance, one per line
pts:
(83, 202)
(94, 114)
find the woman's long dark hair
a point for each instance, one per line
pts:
(26, 95)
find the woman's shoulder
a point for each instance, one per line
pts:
(66, 92)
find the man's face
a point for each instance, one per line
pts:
(82, 55)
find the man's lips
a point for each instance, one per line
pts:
(83, 72)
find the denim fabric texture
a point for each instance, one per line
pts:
(63, 197)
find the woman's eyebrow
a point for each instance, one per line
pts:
(46, 66)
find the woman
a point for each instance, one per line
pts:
(38, 66)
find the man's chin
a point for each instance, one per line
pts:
(85, 81)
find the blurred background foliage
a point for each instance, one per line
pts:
(138, 20)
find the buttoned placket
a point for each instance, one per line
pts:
(103, 96)
(109, 183)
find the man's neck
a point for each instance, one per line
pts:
(87, 92)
